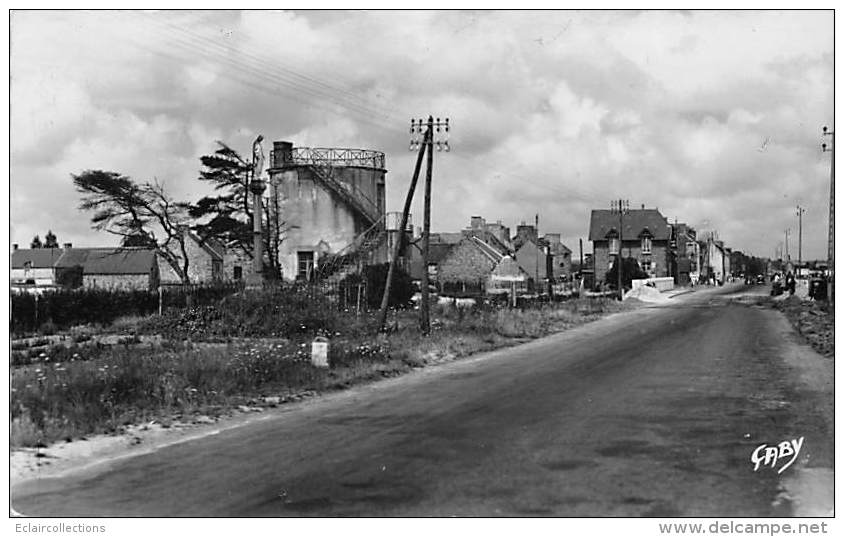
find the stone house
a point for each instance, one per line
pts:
(101, 268)
(120, 268)
(643, 234)
(467, 267)
(205, 262)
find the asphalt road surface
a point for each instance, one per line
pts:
(653, 412)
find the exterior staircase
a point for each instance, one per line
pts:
(337, 266)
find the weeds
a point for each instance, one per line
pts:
(79, 390)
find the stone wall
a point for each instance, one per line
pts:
(114, 282)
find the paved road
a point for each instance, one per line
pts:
(646, 413)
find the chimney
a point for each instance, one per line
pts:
(476, 222)
(68, 245)
(15, 247)
(643, 206)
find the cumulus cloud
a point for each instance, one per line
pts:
(711, 116)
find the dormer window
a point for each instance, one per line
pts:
(646, 245)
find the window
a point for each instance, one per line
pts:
(646, 245)
(305, 265)
(614, 246)
(646, 266)
(238, 273)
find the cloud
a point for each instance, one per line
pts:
(702, 113)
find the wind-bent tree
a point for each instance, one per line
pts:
(139, 213)
(227, 216)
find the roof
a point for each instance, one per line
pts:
(36, 257)
(508, 270)
(487, 249)
(446, 237)
(118, 260)
(635, 222)
(211, 245)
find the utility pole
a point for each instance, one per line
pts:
(622, 207)
(424, 307)
(414, 143)
(580, 241)
(536, 230)
(787, 257)
(257, 187)
(800, 211)
(830, 246)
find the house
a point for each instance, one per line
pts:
(205, 262)
(715, 259)
(437, 251)
(102, 268)
(508, 278)
(643, 234)
(561, 255)
(120, 268)
(467, 266)
(544, 259)
(34, 266)
(685, 262)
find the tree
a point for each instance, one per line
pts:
(50, 240)
(227, 216)
(630, 271)
(137, 212)
(36, 242)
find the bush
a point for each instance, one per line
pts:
(630, 271)
(62, 309)
(374, 277)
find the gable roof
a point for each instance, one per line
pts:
(487, 249)
(211, 245)
(118, 261)
(635, 222)
(36, 257)
(509, 270)
(115, 260)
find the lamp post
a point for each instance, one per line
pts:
(257, 187)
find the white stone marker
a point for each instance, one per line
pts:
(319, 352)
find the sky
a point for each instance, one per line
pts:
(713, 117)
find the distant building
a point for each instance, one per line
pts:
(468, 265)
(643, 234)
(101, 268)
(205, 262)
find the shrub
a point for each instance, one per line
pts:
(375, 278)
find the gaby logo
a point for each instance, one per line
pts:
(766, 455)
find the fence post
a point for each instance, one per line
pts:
(160, 300)
(360, 290)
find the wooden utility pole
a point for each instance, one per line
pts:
(830, 245)
(424, 307)
(622, 207)
(385, 300)
(800, 211)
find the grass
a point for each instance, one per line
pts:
(101, 389)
